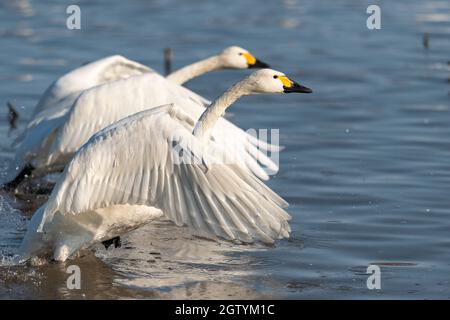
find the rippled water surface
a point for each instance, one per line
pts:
(366, 168)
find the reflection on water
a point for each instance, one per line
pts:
(163, 257)
(366, 166)
(157, 261)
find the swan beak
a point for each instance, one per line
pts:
(254, 63)
(295, 87)
(292, 86)
(258, 64)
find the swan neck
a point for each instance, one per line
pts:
(196, 69)
(217, 109)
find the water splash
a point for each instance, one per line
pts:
(12, 229)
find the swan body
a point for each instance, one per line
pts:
(55, 134)
(154, 159)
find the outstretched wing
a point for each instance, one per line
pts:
(66, 88)
(151, 158)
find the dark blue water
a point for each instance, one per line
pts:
(366, 167)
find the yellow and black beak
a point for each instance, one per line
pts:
(290, 86)
(258, 64)
(295, 87)
(254, 63)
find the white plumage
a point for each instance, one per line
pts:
(55, 134)
(50, 143)
(152, 160)
(63, 92)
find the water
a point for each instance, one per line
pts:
(366, 167)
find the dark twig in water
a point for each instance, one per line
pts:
(13, 115)
(168, 60)
(426, 40)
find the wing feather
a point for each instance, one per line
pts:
(134, 163)
(197, 216)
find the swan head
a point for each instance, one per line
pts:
(272, 81)
(260, 81)
(238, 58)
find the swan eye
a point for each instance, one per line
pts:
(275, 76)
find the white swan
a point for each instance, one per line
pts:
(63, 92)
(53, 137)
(156, 162)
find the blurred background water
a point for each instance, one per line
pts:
(366, 168)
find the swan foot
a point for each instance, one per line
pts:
(13, 184)
(114, 241)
